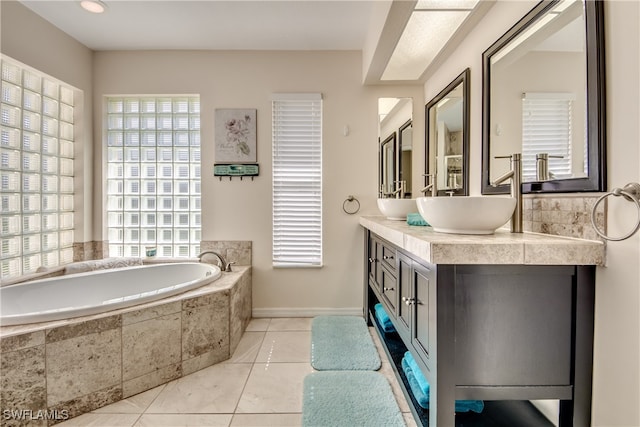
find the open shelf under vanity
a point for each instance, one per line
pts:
(504, 413)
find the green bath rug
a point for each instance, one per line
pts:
(349, 399)
(342, 343)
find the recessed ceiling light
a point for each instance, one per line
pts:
(93, 6)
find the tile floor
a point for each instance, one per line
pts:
(261, 385)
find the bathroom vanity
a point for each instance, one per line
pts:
(502, 317)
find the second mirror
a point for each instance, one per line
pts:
(447, 140)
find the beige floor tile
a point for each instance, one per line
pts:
(291, 346)
(258, 325)
(262, 420)
(389, 374)
(212, 390)
(291, 324)
(248, 348)
(101, 420)
(132, 405)
(184, 420)
(274, 388)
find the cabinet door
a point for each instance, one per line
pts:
(405, 294)
(423, 302)
(372, 253)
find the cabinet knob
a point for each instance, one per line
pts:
(408, 301)
(371, 260)
(388, 289)
(388, 257)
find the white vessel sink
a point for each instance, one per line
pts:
(397, 209)
(466, 215)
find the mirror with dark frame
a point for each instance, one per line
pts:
(543, 97)
(395, 136)
(447, 139)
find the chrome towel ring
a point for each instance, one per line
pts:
(351, 199)
(630, 192)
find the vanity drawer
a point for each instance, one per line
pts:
(389, 258)
(388, 290)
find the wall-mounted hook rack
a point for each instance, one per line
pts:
(240, 170)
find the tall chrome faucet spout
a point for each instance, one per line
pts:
(515, 174)
(224, 265)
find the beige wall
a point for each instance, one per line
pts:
(241, 210)
(617, 329)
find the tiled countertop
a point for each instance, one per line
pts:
(502, 247)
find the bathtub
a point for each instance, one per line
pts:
(95, 292)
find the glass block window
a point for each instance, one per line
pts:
(153, 175)
(36, 170)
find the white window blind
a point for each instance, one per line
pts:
(297, 180)
(36, 170)
(546, 128)
(153, 175)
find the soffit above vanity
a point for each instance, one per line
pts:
(502, 247)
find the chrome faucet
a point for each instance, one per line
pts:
(224, 265)
(431, 186)
(515, 174)
(399, 192)
(542, 166)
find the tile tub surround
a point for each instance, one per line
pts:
(70, 367)
(502, 247)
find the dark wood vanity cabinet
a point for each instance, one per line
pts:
(489, 332)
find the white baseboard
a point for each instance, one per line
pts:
(306, 312)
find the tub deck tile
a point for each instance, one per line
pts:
(22, 381)
(89, 402)
(150, 313)
(19, 342)
(152, 379)
(150, 345)
(83, 365)
(84, 328)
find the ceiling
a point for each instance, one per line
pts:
(213, 24)
(272, 25)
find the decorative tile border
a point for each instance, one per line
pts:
(565, 215)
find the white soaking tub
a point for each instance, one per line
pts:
(99, 291)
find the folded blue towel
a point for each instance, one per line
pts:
(421, 393)
(416, 390)
(416, 219)
(420, 379)
(383, 318)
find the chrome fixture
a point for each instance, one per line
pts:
(399, 192)
(630, 192)
(431, 186)
(542, 166)
(224, 265)
(515, 174)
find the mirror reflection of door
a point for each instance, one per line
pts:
(448, 119)
(395, 133)
(405, 147)
(388, 165)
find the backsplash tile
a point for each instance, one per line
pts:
(236, 251)
(563, 215)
